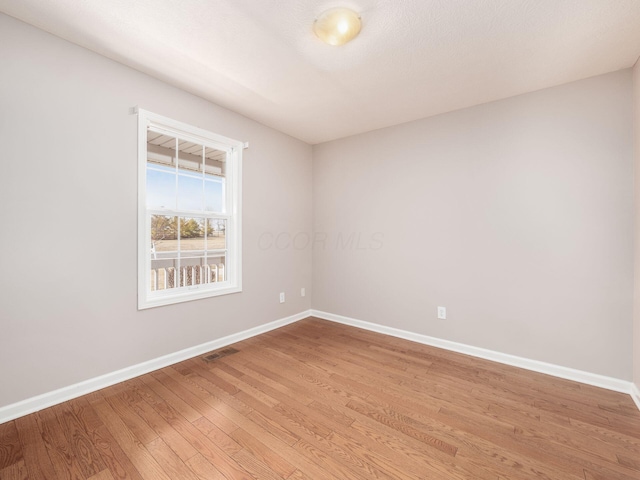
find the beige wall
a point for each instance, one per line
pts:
(636, 316)
(515, 215)
(68, 213)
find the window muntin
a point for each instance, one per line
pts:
(189, 207)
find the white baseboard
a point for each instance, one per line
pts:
(49, 399)
(34, 404)
(635, 394)
(594, 379)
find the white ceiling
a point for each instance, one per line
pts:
(413, 58)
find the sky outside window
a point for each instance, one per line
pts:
(193, 192)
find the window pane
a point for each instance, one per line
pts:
(191, 152)
(190, 176)
(189, 271)
(161, 149)
(190, 157)
(214, 195)
(192, 271)
(216, 268)
(215, 161)
(163, 274)
(189, 193)
(164, 234)
(161, 178)
(191, 236)
(164, 252)
(216, 234)
(161, 187)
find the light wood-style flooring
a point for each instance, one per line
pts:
(318, 400)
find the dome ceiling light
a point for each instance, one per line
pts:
(337, 26)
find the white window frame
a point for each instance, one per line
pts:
(233, 215)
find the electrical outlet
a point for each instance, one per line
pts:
(302, 292)
(442, 313)
(282, 297)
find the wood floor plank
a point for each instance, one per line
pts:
(274, 362)
(15, 471)
(244, 384)
(220, 438)
(290, 406)
(529, 460)
(401, 425)
(165, 431)
(271, 434)
(299, 475)
(347, 458)
(110, 450)
(200, 399)
(103, 475)
(60, 453)
(289, 418)
(273, 427)
(220, 396)
(172, 465)
(630, 462)
(84, 450)
(216, 456)
(35, 453)
(387, 439)
(186, 410)
(130, 444)
(567, 439)
(10, 447)
(335, 414)
(262, 452)
(143, 432)
(318, 448)
(319, 400)
(329, 464)
(213, 377)
(378, 462)
(415, 457)
(255, 466)
(264, 432)
(203, 468)
(273, 379)
(205, 409)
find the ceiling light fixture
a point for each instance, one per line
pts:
(337, 26)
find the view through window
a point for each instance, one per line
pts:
(191, 231)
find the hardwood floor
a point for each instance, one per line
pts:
(317, 400)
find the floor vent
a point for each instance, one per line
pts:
(210, 357)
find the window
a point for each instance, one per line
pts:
(189, 215)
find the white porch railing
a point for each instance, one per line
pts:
(165, 278)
